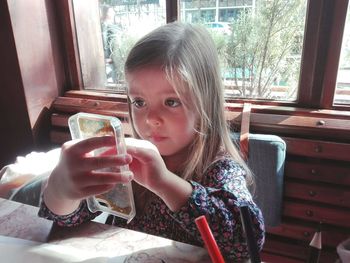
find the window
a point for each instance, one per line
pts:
(107, 35)
(272, 51)
(342, 92)
(260, 45)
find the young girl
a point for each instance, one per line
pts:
(182, 158)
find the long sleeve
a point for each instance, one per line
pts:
(80, 215)
(219, 197)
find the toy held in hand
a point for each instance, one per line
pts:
(120, 200)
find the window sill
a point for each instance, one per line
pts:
(332, 125)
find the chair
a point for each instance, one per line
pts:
(35, 167)
(265, 155)
(266, 160)
(29, 193)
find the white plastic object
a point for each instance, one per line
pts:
(120, 200)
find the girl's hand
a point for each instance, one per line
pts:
(150, 171)
(147, 165)
(76, 175)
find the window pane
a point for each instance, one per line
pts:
(259, 43)
(342, 91)
(120, 24)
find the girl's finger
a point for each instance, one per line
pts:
(97, 178)
(143, 150)
(100, 162)
(109, 151)
(87, 145)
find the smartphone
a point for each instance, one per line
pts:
(120, 200)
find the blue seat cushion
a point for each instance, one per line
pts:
(29, 193)
(266, 159)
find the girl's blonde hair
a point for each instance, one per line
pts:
(188, 56)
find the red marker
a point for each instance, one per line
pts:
(209, 241)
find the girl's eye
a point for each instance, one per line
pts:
(139, 103)
(172, 102)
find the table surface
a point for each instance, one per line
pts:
(25, 236)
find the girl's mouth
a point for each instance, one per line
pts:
(157, 138)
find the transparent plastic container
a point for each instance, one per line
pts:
(120, 200)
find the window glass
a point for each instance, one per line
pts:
(259, 42)
(342, 91)
(122, 23)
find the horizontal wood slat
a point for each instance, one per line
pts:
(285, 248)
(318, 149)
(115, 105)
(260, 107)
(270, 257)
(327, 195)
(236, 107)
(319, 172)
(315, 213)
(64, 107)
(287, 121)
(74, 105)
(96, 95)
(61, 120)
(330, 236)
(59, 137)
(295, 251)
(286, 124)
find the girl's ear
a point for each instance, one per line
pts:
(198, 125)
(197, 128)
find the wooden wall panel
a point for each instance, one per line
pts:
(31, 73)
(36, 44)
(15, 133)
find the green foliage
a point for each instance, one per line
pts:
(120, 48)
(262, 48)
(220, 41)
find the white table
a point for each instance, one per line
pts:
(25, 236)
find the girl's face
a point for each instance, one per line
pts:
(158, 114)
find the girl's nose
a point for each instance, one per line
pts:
(153, 118)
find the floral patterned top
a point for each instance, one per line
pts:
(220, 194)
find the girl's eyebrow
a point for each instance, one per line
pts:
(166, 94)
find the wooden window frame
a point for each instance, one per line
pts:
(324, 27)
